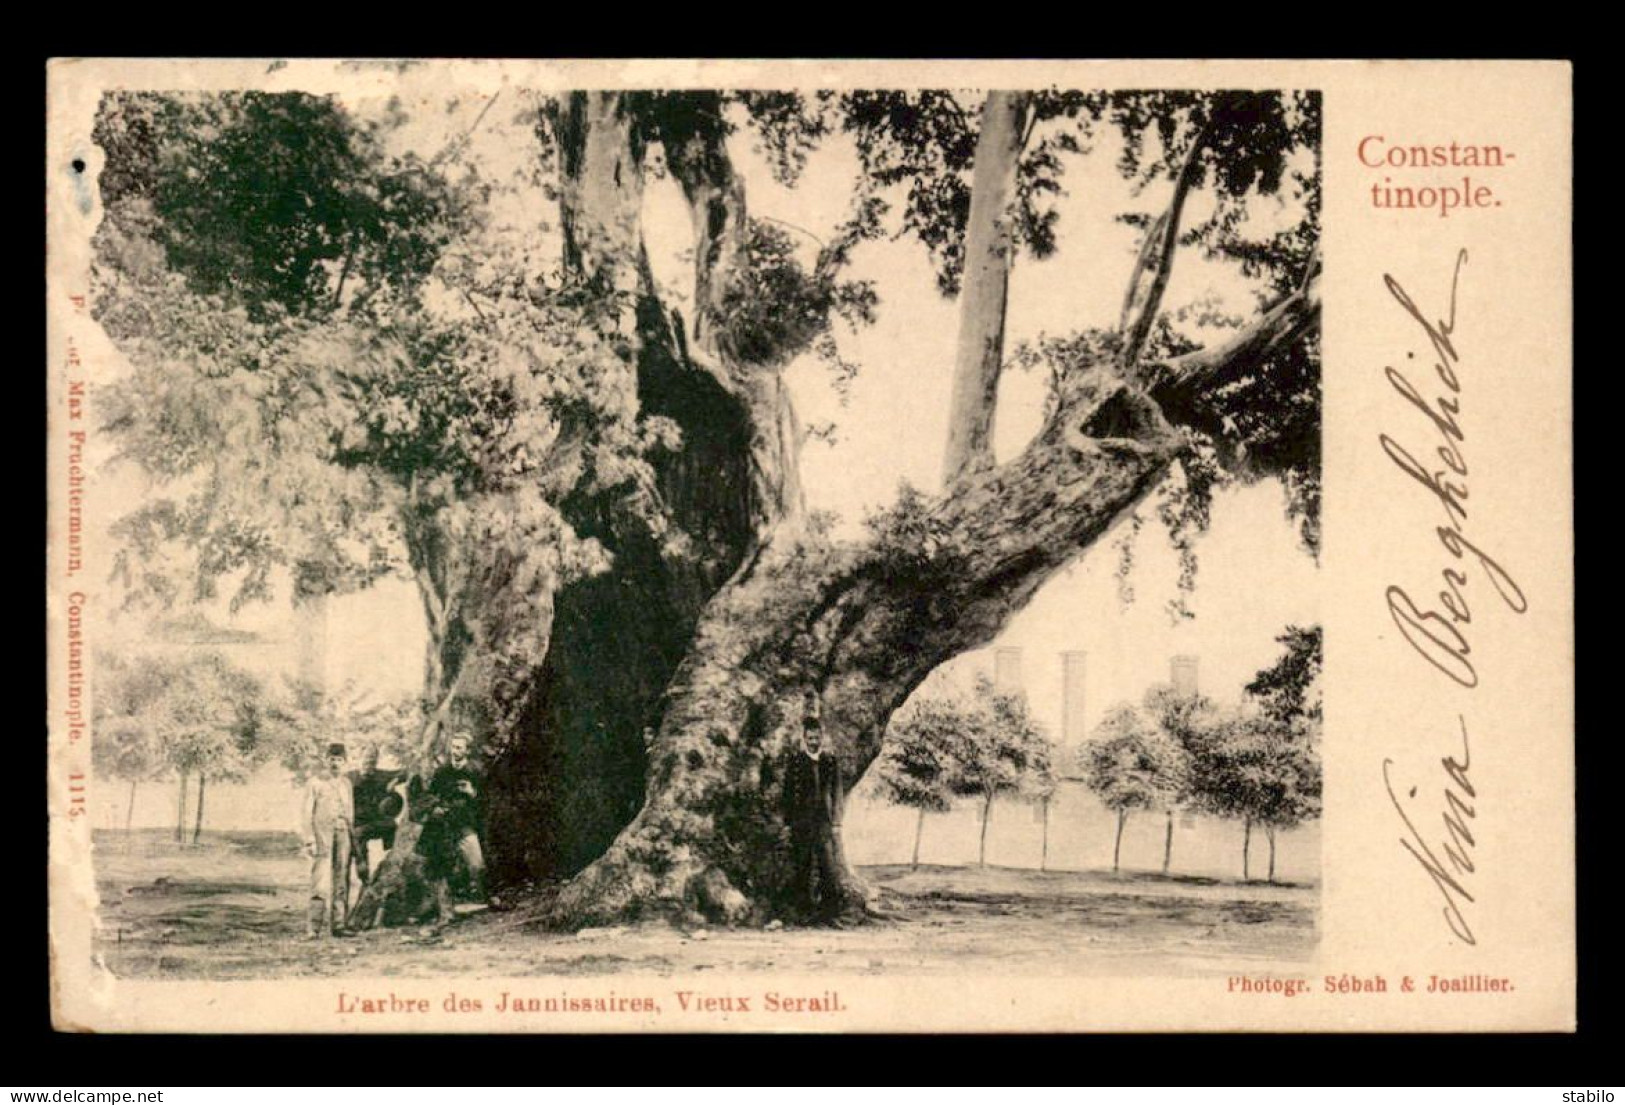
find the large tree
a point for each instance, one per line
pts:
(862, 624)
(185, 716)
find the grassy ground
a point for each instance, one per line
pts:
(233, 907)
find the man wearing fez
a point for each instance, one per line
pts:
(814, 796)
(327, 822)
(451, 809)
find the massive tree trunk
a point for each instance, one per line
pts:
(574, 774)
(697, 667)
(1168, 843)
(861, 626)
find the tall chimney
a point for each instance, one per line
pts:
(1074, 725)
(1007, 671)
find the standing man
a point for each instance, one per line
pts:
(814, 797)
(327, 824)
(377, 805)
(452, 809)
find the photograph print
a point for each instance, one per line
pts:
(815, 532)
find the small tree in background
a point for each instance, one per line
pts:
(1287, 790)
(1181, 719)
(1224, 772)
(1130, 765)
(921, 758)
(304, 719)
(1002, 750)
(189, 715)
(215, 727)
(123, 746)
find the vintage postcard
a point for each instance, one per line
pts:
(815, 546)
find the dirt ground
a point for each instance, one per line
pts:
(233, 907)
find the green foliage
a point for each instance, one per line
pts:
(1003, 750)
(1248, 767)
(278, 198)
(983, 744)
(775, 309)
(788, 127)
(302, 720)
(1261, 761)
(910, 538)
(1289, 690)
(362, 368)
(1183, 751)
(1133, 763)
(925, 141)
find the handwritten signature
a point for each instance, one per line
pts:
(1459, 845)
(1438, 636)
(1438, 631)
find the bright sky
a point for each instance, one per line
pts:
(1253, 580)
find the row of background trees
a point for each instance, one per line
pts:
(1256, 761)
(198, 717)
(195, 718)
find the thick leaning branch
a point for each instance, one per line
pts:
(861, 627)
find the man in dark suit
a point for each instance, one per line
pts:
(378, 803)
(452, 810)
(814, 797)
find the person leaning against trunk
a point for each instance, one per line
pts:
(814, 794)
(452, 810)
(327, 824)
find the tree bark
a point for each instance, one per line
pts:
(919, 831)
(987, 815)
(197, 822)
(1246, 851)
(1117, 845)
(575, 773)
(129, 810)
(1269, 833)
(989, 246)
